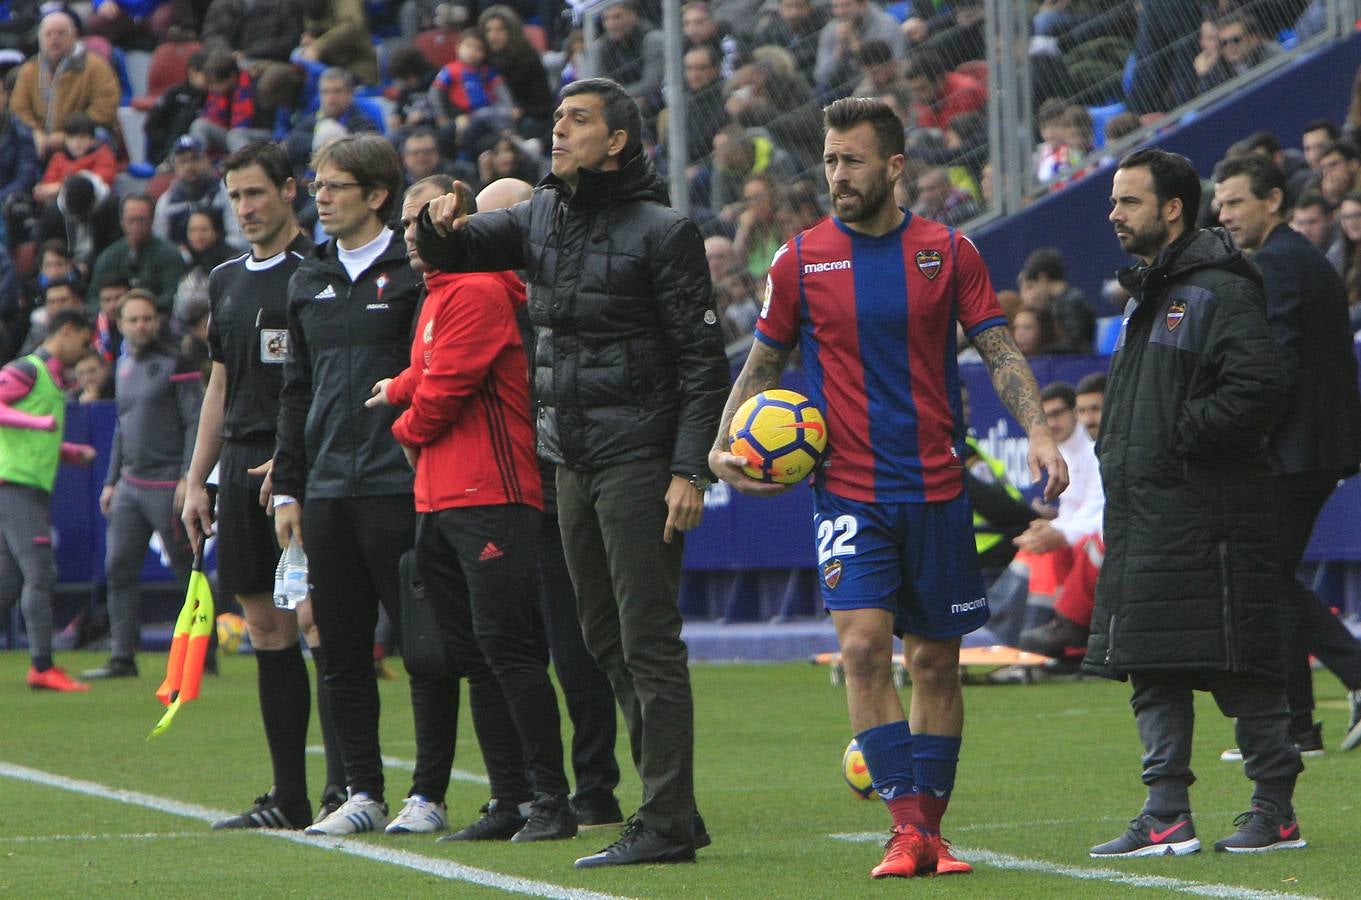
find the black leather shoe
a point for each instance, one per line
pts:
(597, 812)
(116, 667)
(550, 819)
(500, 822)
(332, 799)
(639, 844)
(701, 833)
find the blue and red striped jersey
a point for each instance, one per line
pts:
(875, 319)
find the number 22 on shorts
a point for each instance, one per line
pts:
(835, 537)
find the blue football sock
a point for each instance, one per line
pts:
(935, 757)
(888, 755)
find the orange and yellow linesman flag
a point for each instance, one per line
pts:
(188, 649)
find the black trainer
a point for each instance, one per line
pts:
(268, 812)
(116, 667)
(499, 822)
(332, 799)
(1262, 828)
(550, 819)
(1058, 638)
(1353, 736)
(1309, 741)
(1149, 835)
(597, 812)
(639, 844)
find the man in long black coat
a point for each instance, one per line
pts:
(1189, 593)
(1318, 439)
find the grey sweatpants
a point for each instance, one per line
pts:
(1164, 708)
(27, 570)
(134, 514)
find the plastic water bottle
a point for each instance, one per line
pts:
(291, 589)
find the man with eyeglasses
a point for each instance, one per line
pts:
(350, 308)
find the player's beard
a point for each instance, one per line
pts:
(851, 205)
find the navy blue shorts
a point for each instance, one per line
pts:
(916, 560)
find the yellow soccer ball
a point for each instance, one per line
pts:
(781, 434)
(856, 773)
(231, 633)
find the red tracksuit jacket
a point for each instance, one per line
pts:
(467, 393)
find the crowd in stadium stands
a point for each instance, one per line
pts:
(469, 90)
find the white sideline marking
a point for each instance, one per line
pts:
(111, 836)
(406, 765)
(440, 868)
(1113, 876)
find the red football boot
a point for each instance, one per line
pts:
(909, 853)
(55, 679)
(946, 863)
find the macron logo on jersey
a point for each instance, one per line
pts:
(814, 268)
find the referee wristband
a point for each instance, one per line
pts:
(283, 500)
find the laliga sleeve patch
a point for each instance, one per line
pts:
(273, 345)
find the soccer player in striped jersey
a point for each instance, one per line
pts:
(872, 297)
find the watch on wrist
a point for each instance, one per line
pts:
(698, 482)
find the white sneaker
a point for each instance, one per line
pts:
(1354, 729)
(419, 816)
(356, 815)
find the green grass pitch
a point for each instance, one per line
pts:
(1048, 769)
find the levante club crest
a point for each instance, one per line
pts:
(1175, 313)
(831, 573)
(928, 262)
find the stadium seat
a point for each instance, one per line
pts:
(1100, 115)
(138, 63)
(132, 123)
(976, 69)
(119, 61)
(1107, 333)
(99, 46)
(373, 108)
(439, 45)
(169, 64)
(537, 37)
(158, 185)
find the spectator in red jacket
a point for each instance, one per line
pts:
(81, 151)
(940, 94)
(468, 433)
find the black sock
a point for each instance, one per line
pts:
(43, 662)
(330, 738)
(286, 708)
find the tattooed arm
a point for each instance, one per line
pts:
(761, 371)
(1016, 388)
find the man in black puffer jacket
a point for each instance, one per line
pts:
(630, 379)
(1188, 597)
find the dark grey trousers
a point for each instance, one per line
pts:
(1164, 708)
(134, 514)
(27, 571)
(627, 581)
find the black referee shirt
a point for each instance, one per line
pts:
(248, 333)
